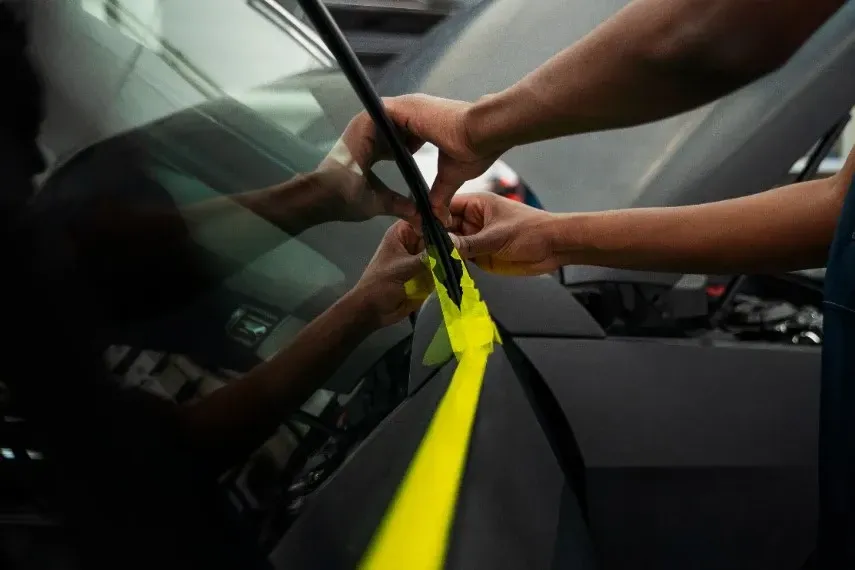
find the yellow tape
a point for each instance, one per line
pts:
(419, 288)
(414, 532)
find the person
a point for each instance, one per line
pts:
(125, 227)
(679, 54)
(137, 473)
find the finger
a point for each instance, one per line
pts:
(410, 267)
(456, 225)
(418, 224)
(419, 287)
(469, 209)
(424, 257)
(442, 214)
(394, 204)
(401, 237)
(410, 113)
(360, 139)
(412, 142)
(474, 202)
(447, 182)
(413, 242)
(484, 243)
(464, 227)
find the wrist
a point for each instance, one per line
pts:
(567, 235)
(501, 121)
(292, 206)
(487, 126)
(359, 311)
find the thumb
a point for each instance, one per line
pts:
(449, 179)
(395, 204)
(486, 242)
(410, 268)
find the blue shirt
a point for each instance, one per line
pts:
(837, 420)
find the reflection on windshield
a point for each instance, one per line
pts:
(233, 255)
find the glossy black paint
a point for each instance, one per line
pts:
(698, 455)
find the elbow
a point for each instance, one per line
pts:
(718, 59)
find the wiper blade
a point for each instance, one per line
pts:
(448, 270)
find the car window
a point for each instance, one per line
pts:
(213, 126)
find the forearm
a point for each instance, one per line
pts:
(233, 421)
(784, 229)
(653, 59)
(197, 246)
(291, 207)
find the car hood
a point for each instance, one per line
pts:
(741, 144)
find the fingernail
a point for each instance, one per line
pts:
(455, 240)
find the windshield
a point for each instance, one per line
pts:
(204, 175)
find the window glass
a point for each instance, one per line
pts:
(213, 213)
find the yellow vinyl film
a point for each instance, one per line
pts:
(414, 533)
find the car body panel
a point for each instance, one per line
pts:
(514, 510)
(697, 453)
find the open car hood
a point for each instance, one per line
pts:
(741, 144)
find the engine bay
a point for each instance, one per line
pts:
(781, 309)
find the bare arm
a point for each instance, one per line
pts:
(783, 229)
(669, 55)
(227, 425)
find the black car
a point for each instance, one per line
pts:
(629, 420)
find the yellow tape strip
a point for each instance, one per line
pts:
(414, 532)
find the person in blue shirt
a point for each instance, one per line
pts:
(679, 54)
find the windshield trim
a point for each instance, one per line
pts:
(299, 32)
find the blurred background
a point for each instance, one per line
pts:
(380, 30)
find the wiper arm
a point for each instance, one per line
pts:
(448, 270)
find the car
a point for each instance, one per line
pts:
(628, 420)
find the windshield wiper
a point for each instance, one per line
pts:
(448, 270)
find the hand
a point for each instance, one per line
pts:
(398, 259)
(346, 188)
(444, 123)
(342, 195)
(503, 236)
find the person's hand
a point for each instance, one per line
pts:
(381, 291)
(444, 123)
(346, 189)
(503, 236)
(340, 194)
